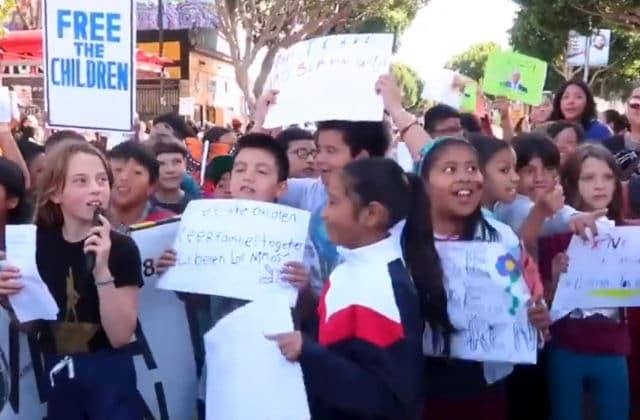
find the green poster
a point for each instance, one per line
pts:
(469, 97)
(516, 76)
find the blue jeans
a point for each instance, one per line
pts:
(103, 387)
(606, 377)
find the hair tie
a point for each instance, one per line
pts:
(424, 152)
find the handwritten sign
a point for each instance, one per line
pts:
(165, 367)
(89, 54)
(236, 248)
(604, 273)
(344, 68)
(515, 76)
(486, 302)
(236, 350)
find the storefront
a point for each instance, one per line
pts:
(21, 68)
(200, 72)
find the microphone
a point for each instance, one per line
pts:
(90, 257)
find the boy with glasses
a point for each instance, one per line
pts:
(301, 151)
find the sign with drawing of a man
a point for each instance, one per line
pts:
(515, 83)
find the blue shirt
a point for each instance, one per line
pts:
(597, 132)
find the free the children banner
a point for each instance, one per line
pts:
(604, 273)
(236, 248)
(89, 54)
(340, 70)
(487, 304)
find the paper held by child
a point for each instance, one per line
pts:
(515, 76)
(603, 273)
(236, 248)
(34, 301)
(342, 67)
(237, 348)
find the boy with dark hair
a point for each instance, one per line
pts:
(174, 125)
(338, 142)
(217, 177)
(171, 123)
(34, 157)
(62, 136)
(539, 208)
(260, 169)
(172, 159)
(135, 174)
(259, 173)
(443, 121)
(301, 150)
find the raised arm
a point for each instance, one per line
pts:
(411, 132)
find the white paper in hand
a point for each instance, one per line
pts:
(34, 301)
(236, 350)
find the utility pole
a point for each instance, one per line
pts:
(161, 49)
(587, 53)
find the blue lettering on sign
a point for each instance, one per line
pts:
(89, 67)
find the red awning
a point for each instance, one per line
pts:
(27, 46)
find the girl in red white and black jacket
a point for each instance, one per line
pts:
(367, 363)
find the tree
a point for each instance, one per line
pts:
(541, 30)
(270, 25)
(391, 16)
(621, 13)
(472, 61)
(411, 86)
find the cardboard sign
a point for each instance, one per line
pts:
(236, 248)
(515, 76)
(342, 69)
(89, 54)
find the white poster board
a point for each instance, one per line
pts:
(487, 304)
(340, 70)
(236, 349)
(604, 273)
(443, 86)
(186, 106)
(166, 369)
(89, 54)
(236, 248)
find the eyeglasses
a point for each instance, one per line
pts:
(305, 153)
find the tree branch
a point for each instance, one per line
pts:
(623, 18)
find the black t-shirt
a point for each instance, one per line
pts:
(62, 266)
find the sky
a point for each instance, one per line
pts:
(445, 28)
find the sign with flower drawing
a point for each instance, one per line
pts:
(487, 304)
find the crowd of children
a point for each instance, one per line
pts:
(371, 286)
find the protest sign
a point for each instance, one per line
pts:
(26, 395)
(604, 273)
(469, 100)
(342, 68)
(486, 302)
(186, 106)
(443, 86)
(165, 366)
(236, 349)
(236, 248)
(515, 76)
(89, 54)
